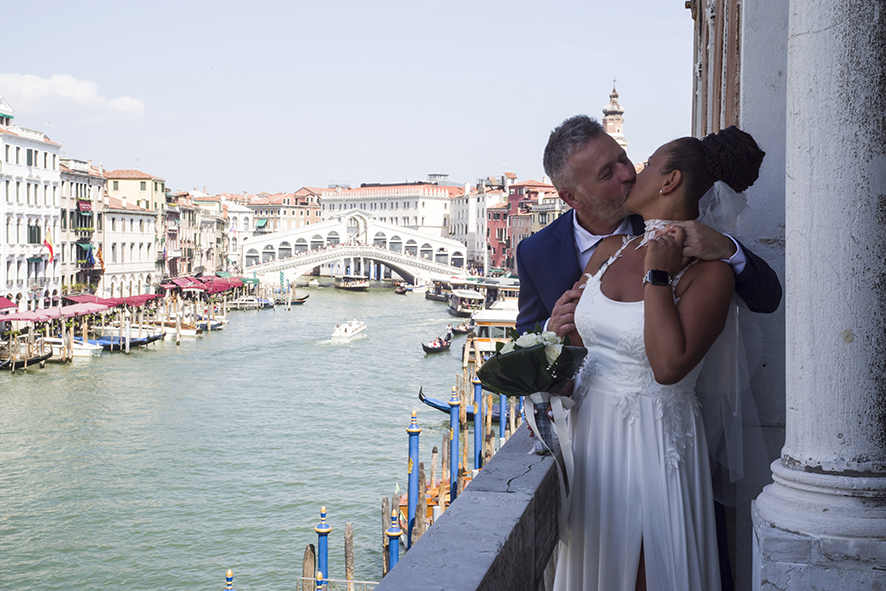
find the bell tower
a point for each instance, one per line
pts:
(613, 121)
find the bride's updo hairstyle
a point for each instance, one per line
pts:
(731, 156)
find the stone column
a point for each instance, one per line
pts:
(822, 523)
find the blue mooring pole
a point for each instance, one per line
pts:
(229, 580)
(413, 429)
(323, 530)
(454, 403)
(502, 418)
(393, 534)
(478, 423)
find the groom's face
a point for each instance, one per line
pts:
(602, 176)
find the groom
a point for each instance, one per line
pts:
(594, 176)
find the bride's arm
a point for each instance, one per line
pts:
(677, 337)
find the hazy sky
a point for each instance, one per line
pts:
(271, 96)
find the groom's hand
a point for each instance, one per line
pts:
(562, 319)
(706, 244)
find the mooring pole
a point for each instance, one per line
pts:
(478, 423)
(454, 404)
(323, 530)
(412, 490)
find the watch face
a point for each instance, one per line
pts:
(658, 277)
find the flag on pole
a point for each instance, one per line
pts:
(47, 242)
(101, 259)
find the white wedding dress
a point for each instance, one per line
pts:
(642, 475)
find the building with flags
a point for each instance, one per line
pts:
(83, 187)
(29, 211)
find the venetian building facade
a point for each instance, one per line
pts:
(29, 209)
(807, 83)
(125, 249)
(421, 206)
(82, 195)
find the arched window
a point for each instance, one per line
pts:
(457, 259)
(268, 254)
(284, 251)
(427, 251)
(316, 242)
(441, 256)
(411, 247)
(380, 239)
(332, 238)
(251, 257)
(301, 245)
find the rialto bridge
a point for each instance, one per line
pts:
(353, 242)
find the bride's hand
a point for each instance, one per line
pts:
(665, 251)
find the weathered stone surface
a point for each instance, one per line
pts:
(498, 535)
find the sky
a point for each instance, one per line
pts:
(272, 96)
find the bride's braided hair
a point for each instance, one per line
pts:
(730, 155)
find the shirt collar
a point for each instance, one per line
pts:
(584, 240)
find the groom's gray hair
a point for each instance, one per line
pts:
(569, 137)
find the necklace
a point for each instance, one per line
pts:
(652, 227)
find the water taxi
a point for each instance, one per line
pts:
(352, 282)
(464, 302)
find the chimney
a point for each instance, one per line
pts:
(124, 201)
(107, 201)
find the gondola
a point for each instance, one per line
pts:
(30, 362)
(400, 290)
(119, 343)
(443, 406)
(463, 328)
(440, 349)
(301, 300)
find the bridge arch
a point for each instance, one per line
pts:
(284, 251)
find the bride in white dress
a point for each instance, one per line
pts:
(642, 513)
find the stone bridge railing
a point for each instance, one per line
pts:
(304, 262)
(497, 536)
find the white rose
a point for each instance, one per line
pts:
(509, 346)
(527, 340)
(552, 353)
(550, 338)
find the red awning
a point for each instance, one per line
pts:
(6, 303)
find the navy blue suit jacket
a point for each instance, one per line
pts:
(547, 267)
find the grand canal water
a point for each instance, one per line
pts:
(162, 469)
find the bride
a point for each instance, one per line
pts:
(642, 514)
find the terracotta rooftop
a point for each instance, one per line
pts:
(128, 173)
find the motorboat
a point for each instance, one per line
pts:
(400, 290)
(79, 348)
(348, 330)
(313, 283)
(249, 303)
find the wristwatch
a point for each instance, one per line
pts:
(657, 277)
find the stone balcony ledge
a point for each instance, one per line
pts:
(498, 535)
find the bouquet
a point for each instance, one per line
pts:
(534, 365)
